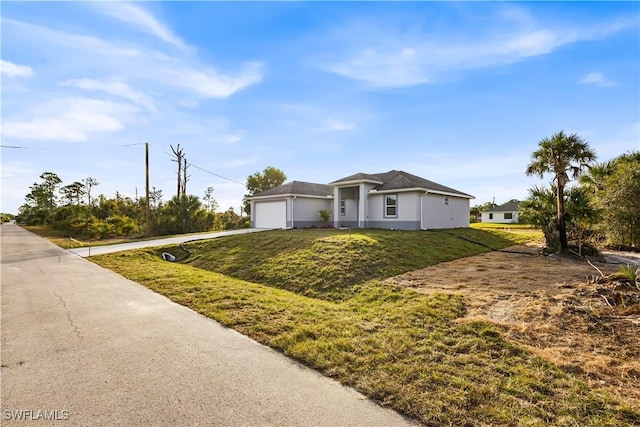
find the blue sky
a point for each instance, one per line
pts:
(458, 93)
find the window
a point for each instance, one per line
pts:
(490, 216)
(391, 205)
(343, 207)
(508, 215)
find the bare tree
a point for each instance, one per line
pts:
(89, 183)
(181, 160)
(185, 177)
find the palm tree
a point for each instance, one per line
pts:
(561, 155)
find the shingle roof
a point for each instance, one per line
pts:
(507, 207)
(398, 180)
(392, 180)
(298, 187)
(358, 177)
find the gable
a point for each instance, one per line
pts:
(398, 180)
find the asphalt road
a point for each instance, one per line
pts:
(84, 346)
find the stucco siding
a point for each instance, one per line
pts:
(408, 212)
(498, 217)
(306, 211)
(445, 211)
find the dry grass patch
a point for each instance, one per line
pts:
(547, 305)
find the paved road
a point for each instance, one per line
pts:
(107, 249)
(83, 343)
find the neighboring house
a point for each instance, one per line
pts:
(393, 199)
(503, 214)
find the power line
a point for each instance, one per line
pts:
(211, 173)
(215, 174)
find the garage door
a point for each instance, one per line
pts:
(271, 214)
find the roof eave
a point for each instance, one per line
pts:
(357, 181)
(426, 190)
(280, 196)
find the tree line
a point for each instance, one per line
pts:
(586, 203)
(76, 211)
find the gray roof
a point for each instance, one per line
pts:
(399, 180)
(300, 188)
(506, 207)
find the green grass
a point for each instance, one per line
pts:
(329, 263)
(525, 230)
(411, 352)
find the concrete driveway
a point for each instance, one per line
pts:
(107, 249)
(81, 345)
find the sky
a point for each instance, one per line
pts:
(457, 93)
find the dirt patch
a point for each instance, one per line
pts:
(547, 304)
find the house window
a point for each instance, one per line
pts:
(343, 207)
(446, 201)
(508, 215)
(490, 216)
(391, 205)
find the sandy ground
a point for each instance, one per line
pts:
(547, 304)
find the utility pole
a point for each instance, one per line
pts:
(146, 152)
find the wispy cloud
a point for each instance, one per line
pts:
(171, 73)
(69, 119)
(141, 20)
(598, 79)
(43, 38)
(382, 55)
(135, 76)
(334, 124)
(210, 83)
(10, 69)
(229, 138)
(115, 88)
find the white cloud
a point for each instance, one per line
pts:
(398, 66)
(162, 73)
(69, 119)
(42, 38)
(338, 125)
(598, 79)
(115, 88)
(210, 83)
(14, 70)
(141, 19)
(233, 138)
(383, 56)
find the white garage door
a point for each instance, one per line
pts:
(271, 214)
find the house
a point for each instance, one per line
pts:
(503, 214)
(394, 200)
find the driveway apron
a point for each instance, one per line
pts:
(82, 345)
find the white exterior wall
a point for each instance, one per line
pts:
(408, 207)
(306, 211)
(498, 217)
(437, 214)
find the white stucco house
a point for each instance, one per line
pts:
(393, 199)
(504, 214)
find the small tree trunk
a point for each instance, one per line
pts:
(562, 228)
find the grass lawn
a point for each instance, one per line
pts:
(316, 297)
